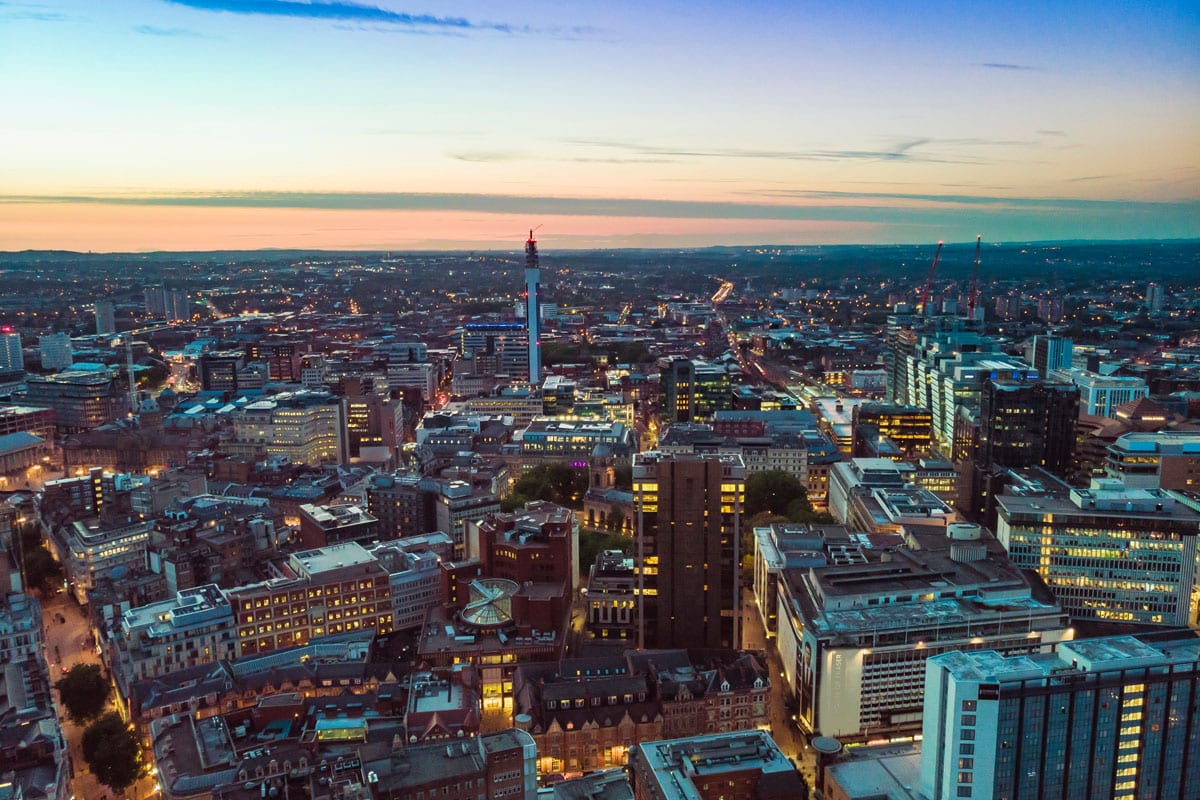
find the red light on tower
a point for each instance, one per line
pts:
(6, 329)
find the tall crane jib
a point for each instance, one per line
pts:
(974, 282)
(928, 291)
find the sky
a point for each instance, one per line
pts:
(133, 125)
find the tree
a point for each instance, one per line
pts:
(800, 510)
(762, 519)
(623, 476)
(84, 692)
(615, 522)
(41, 570)
(113, 752)
(556, 482)
(592, 542)
(772, 490)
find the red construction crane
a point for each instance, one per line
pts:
(974, 281)
(929, 283)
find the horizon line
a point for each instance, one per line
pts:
(519, 245)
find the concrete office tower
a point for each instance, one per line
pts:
(105, 317)
(81, 401)
(533, 279)
(687, 512)
(1112, 717)
(1154, 298)
(855, 624)
(56, 351)
(11, 357)
(1108, 553)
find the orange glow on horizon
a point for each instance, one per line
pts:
(104, 228)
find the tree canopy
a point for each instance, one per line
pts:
(773, 490)
(557, 482)
(112, 752)
(41, 570)
(84, 692)
(592, 542)
(779, 494)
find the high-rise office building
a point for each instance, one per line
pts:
(688, 511)
(855, 623)
(1027, 424)
(899, 340)
(1018, 424)
(375, 425)
(693, 389)
(105, 317)
(11, 357)
(676, 379)
(533, 319)
(1113, 718)
(282, 357)
(404, 504)
(909, 428)
(945, 370)
(81, 400)
(1154, 298)
(1051, 352)
(219, 370)
(56, 351)
(1108, 553)
(499, 347)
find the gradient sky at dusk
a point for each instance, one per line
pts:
(384, 124)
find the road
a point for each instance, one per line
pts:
(68, 643)
(783, 729)
(723, 292)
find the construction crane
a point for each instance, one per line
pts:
(974, 281)
(929, 283)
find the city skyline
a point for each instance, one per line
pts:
(240, 124)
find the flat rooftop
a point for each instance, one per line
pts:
(337, 516)
(335, 556)
(1039, 506)
(1077, 656)
(888, 771)
(675, 761)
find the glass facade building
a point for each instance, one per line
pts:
(1106, 718)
